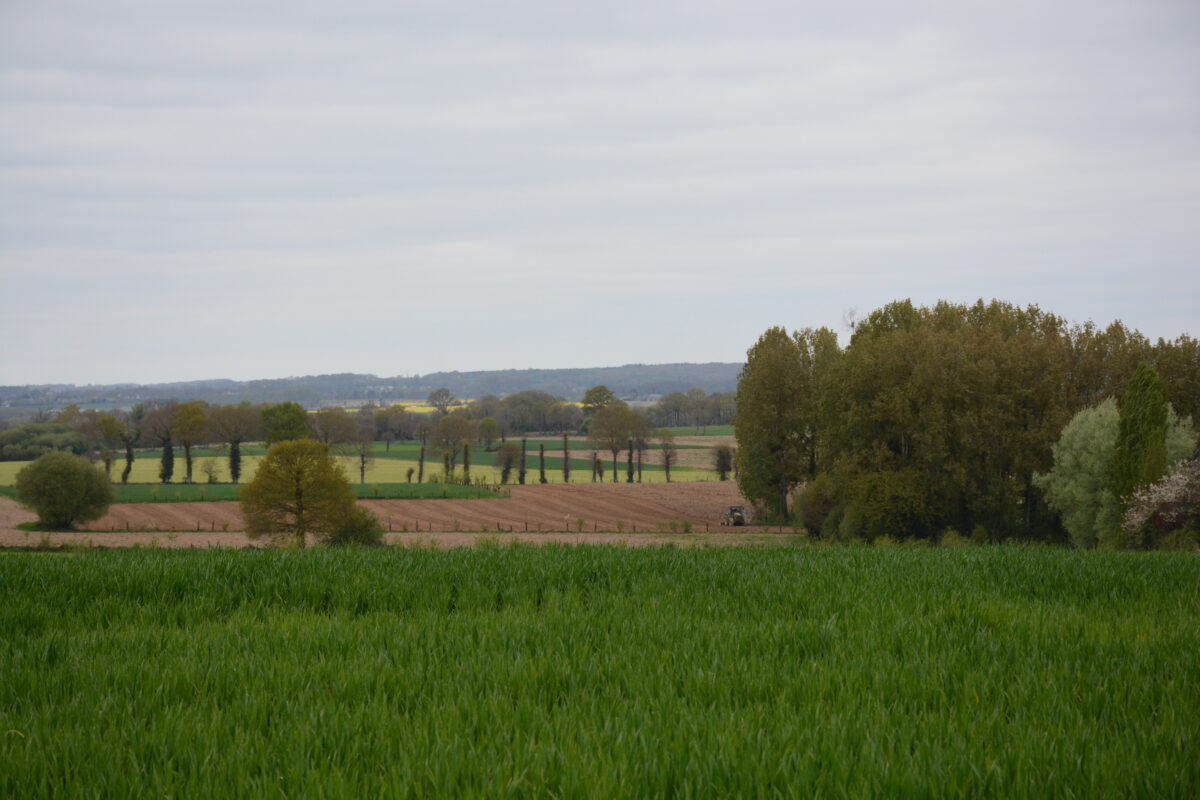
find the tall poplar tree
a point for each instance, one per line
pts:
(772, 394)
(1140, 456)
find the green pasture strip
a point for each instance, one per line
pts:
(173, 492)
(711, 430)
(583, 671)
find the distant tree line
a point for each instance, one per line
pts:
(943, 418)
(488, 422)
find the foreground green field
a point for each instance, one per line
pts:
(600, 672)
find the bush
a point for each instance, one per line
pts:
(1162, 508)
(359, 528)
(813, 504)
(64, 489)
(1183, 540)
(952, 538)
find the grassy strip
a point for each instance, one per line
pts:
(600, 672)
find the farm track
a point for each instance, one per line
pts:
(631, 514)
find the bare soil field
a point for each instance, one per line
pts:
(632, 514)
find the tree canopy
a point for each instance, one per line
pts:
(596, 398)
(297, 491)
(1140, 455)
(63, 489)
(1082, 488)
(775, 393)
(285, 422)
(931, 417)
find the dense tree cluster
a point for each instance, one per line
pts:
(932, 417)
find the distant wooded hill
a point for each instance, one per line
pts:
(631, 382)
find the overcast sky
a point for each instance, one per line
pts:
(233, 189)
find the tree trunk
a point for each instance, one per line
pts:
(235, 461)
(128, 463)
(566, 460)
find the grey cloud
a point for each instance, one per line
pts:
(388, 163)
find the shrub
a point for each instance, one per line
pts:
(813, 505)
(952, 538)
(1165, 507)
(64, 489)
(360, 527)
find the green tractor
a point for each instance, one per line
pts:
(736, 515)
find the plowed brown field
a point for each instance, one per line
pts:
(630, 513)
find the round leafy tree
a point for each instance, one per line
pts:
(64, 489)
(298, 490)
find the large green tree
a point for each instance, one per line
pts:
(940, 417)
(774, 397)
(298, 490)
(1080, 486)
(64, 489)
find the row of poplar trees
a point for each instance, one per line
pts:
(933, 418)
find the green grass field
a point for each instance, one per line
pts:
(711, 430)
(600, 672)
